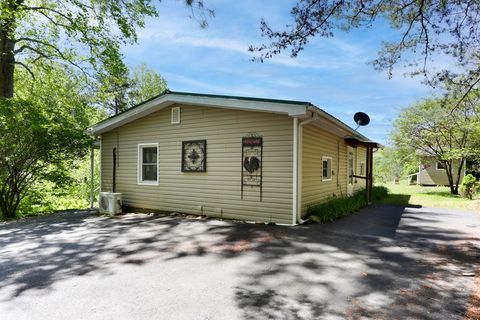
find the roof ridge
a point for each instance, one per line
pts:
(249, 98)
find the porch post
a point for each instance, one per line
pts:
(92, 173)
(370, 174)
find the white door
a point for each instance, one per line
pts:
(350, 170)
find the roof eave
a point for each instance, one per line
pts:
(294, 109)
(341, 124)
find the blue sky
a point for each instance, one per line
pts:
(331, 73)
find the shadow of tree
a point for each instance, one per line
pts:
(383, 262)
(398, 199)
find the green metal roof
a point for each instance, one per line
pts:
(280, 101)
(239, 98)
(300, 103)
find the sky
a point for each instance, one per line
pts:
(332, 73)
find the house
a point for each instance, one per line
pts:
(432, 173)
(232, 157)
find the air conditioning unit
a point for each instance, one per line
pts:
(110, 202)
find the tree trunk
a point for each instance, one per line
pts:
(448, 171)
(7, 64)
(459, 172)
(7, 46)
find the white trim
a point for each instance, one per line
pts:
(175, 109)
(331, 161)
(299, 166)
(295, 171)
(140, 146)
(419, 178)
(101, 165)
(350, 186)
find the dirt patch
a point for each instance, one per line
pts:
(473, 312)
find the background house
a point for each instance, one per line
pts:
(232, 157)
(432, 173)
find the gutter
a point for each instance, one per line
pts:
(298, 152)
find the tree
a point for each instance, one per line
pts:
(83, 33)
(387, 165)
(146, 84)
(427, 29)
(41, 132)
(33, 143)
(122, 88)
(442, 130)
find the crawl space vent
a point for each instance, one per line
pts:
(175, 115)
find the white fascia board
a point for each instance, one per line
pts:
(293, 110)
(129, 116)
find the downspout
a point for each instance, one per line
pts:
(114, 173)
(299, 166)
(295, 170)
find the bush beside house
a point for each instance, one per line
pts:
(338, 207)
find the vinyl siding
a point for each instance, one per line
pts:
(217, 190)
(430, 176)
(317, 143)
(360, 157)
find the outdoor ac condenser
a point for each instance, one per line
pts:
(110, 202)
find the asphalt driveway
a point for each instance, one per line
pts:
(385, 262)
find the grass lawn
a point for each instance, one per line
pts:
(436, 197)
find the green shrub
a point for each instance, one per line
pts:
(379, 192)
(469, 186)
(337, 207)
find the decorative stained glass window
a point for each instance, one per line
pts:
(194, 156)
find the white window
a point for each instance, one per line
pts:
(440, 166)
(326, 168)
(175, 116)
(362, 168)
(148, 163)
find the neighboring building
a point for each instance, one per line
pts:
(432, 173)
(232, 157)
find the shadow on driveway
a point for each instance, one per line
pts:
(383, 262)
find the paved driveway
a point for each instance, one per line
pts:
(384, 262)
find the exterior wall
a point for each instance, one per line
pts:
(360, 157)
(217, 190)
(317, 143)
(430, 176)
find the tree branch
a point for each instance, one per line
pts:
(26, 68)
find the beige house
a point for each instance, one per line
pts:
(231, 157)
(432, 173)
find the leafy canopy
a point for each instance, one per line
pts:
(427, 30)
(126, 88)
(442, 130)
(87, 34)
(42, 132)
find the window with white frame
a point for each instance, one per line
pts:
(440, 165)
(326, 168)
(148, 163)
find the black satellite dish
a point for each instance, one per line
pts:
(361, 119)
